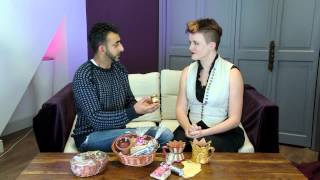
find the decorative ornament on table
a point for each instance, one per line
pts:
(201, 151)
(88, 163)
(176, 150)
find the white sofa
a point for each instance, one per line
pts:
(165, 85)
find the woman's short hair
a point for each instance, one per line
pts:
(208, 27)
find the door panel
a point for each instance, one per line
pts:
(293, 97)
(254, 72)
(255, 21)
(176, 20)
(179, 62)
(176, 38)
(255, 24)
(296, 24)
(224, 12)
(294, 78)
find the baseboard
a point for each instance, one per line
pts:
(14, 126)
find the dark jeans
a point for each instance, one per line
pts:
(229, 141)
(102, 140)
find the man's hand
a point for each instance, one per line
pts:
(144, 106)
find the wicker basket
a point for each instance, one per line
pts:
(137, 161)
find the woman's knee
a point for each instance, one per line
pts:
(179, 134)
(222, 145)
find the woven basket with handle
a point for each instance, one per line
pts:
(137, 161)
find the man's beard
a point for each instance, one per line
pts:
(113, 57)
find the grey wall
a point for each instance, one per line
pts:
(139, 29)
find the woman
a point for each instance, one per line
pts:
(210, 96)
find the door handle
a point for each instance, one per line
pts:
(271, 56)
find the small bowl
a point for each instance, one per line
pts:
(123, 145)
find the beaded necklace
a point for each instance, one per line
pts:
(206, 94)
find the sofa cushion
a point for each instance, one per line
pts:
(247, 145)
(70, 146)
(169, 91)
(146, 85)
(140, 124)
(170, 124)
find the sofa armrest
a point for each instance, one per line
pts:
(260, 119)
(53, 123)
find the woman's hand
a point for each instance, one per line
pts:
(194, 131)
(197, 133)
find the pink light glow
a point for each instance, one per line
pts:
(57, 43)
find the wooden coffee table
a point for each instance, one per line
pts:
(221, 166)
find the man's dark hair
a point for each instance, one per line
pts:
(98, 34)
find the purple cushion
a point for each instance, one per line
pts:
(260, 120)
(54, 121)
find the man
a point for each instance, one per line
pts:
(103, 98)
